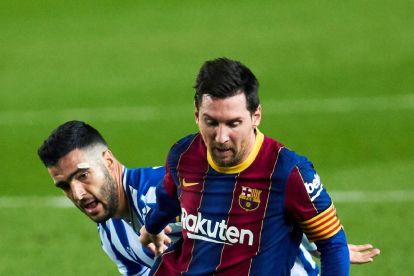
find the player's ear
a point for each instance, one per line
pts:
(257, 116)
(196, 113)
(108, 158)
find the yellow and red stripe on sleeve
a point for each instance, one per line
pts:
(323, 226)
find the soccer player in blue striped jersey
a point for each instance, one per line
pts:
(115, 197)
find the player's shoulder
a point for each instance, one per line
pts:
(143, 177)
(146, 171)
(185, 141)
(286, 157)
(183, 144)
(295, 158)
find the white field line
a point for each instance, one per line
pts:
(377, 196)
(34, 201)
(341, 105)
(148, 113)
(337, 197)
(94, 114)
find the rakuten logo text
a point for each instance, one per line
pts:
(200, 228)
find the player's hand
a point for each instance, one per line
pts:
(154, 242)
(361, 254)
(167, 230)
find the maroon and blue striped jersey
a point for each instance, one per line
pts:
(244, 220)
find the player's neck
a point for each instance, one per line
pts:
(249, 146)
(123, 210)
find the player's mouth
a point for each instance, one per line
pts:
(91, 207)
(225, 152)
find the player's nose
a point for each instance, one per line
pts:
(78, 191)
(222, 134)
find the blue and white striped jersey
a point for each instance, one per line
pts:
(120, 240)
(121, 244)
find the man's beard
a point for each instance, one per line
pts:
(108, 197)
(236, 159)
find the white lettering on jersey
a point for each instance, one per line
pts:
(200, 228)
(315, 185)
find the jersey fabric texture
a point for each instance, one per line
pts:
(119, 238)
(304, 264)
(244, 220)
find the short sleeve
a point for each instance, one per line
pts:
(310, 205)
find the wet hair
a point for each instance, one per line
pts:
(223, 78)
(67, 137)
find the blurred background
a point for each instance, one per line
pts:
(336, 84)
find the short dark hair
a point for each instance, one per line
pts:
(223, 78)
(67, 137)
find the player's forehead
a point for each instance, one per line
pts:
(74, 160)
(227, 109)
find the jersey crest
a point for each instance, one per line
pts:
(249, 199)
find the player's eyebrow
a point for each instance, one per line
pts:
(234, 120)
(70, 177)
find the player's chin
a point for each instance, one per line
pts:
(224, 162)
(99, 218)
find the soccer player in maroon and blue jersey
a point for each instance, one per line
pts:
(245, 200)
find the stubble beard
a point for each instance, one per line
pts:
(237, 157)
(108, 197)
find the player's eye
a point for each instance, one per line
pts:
(83, 176)
(64, 186)
(211, 123)
(234, 125)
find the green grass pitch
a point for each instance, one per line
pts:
(336, 85)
